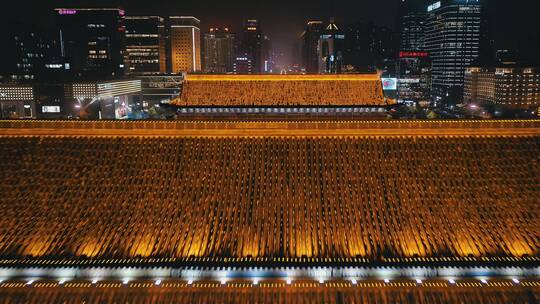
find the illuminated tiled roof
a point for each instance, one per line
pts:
(271, 198)
(281, 90)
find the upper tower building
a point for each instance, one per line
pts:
(412, 21)
(219, 50)
(252, 44)
(92, 41)
(452, 38)
(331, 49)
(185, 44)
(310, 41)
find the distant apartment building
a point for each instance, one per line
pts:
(219, 50)
(507, 86)
(185, 44)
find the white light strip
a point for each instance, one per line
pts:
(193, 38)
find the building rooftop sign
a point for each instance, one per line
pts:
(434, 6)
(67, 12)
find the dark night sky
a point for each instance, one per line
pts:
(516, 21)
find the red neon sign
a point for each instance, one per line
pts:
(413, 54)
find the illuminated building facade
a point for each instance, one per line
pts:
(17, 101)
(185, 44)
(331, 49)
(452, 39)
(104, 99)
(506, 86)
(414, 77)
(219, 51)
(310, 42)
(92, 41)
(145, 45)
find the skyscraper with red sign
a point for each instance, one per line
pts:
(92, 41)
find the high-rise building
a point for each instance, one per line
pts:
(310, 42)
(145, 45)
(92, 41)
(411, 25)
(414, 77)
(370, 47)
(252, 44)
(25, 53)
(452, 38)
(508, 86)
(185, 44)
(219, 50)
(331, 49)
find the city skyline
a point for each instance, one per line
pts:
(517, 29)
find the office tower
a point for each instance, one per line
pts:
(145, 45)
(252, 43)
(414, 77)
(506, 85)
(92, 41)
(310, 42)
(185, 44)
(412, 20)
(219, 50)
(331, 49)
(452, 39)
(370, 47)
(25, 53)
